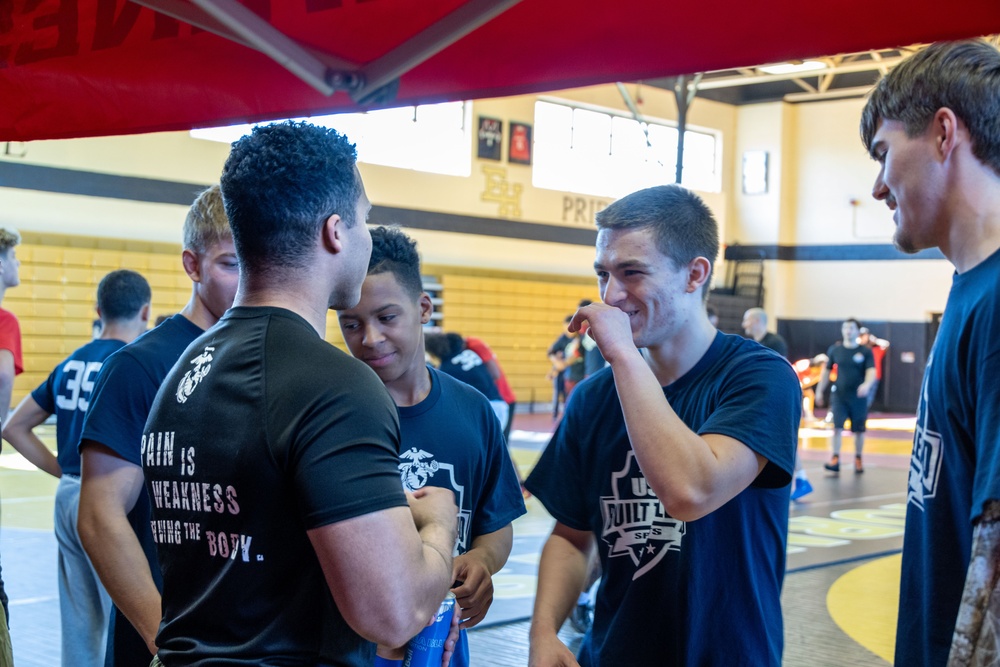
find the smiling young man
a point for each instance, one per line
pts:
(673, 463)
(932, 126)
(450, 436)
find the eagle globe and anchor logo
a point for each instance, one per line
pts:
(417, 467)
(202, 365)
(635, 523)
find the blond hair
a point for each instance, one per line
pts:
(206, 222)
(8, 239)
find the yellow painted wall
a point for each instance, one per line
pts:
(817, 167)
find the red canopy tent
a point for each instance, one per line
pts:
(72, 68)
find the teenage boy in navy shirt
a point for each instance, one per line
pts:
(114, 519)
(450, 436)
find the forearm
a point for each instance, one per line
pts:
(492, 549)
(6, 391)
(121, 564)
(981, 594)
(18, 431)
(869, 380)
(33, 449)
(562, 572)
(686, 474)
(109, 489)
(387, 599)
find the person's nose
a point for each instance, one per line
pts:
(373, 336)
(880, 191)
(614, 292)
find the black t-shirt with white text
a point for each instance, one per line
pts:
(261, 432)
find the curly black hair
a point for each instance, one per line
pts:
(121, 295)
(396, 253)
(280, 184)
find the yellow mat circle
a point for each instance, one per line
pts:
(864, 602)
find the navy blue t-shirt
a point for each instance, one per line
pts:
(452, 439)
(122, 397)
(955, 467)
(66, 394)
(468, 367)
(704, 592)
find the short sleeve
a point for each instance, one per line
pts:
(10, 338)
(500, 501)
(44, 394)
(343, 458)
(760, 404)
(119, 406)
(556, 479)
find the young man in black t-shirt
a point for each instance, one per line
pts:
(849, 396)
(271, 457)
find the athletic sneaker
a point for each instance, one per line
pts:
(833, 465)
(801, 487)
(858, 468)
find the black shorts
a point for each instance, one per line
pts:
(855, 409)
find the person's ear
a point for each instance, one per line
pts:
(698, 271)
(190, 260)
(945, 125)
(426, 307)
(333, 234)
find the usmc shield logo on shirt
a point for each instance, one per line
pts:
(635, 523)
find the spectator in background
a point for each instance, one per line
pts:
(489, 358)
(878, 346)
(849, 394)
(84, 606)
(459, 361)
(755, 326)
(557, 374)
(11, 365)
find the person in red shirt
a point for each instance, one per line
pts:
(11, 365)
(489, 358)
(878, 346)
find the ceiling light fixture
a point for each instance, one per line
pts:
(792, 68)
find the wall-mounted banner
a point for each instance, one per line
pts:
(519, 151)
(490, 138)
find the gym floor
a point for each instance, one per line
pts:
(839, 598)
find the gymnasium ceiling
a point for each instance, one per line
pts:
(71, 68)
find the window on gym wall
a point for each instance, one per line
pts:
(435, 138)
(606, 153)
